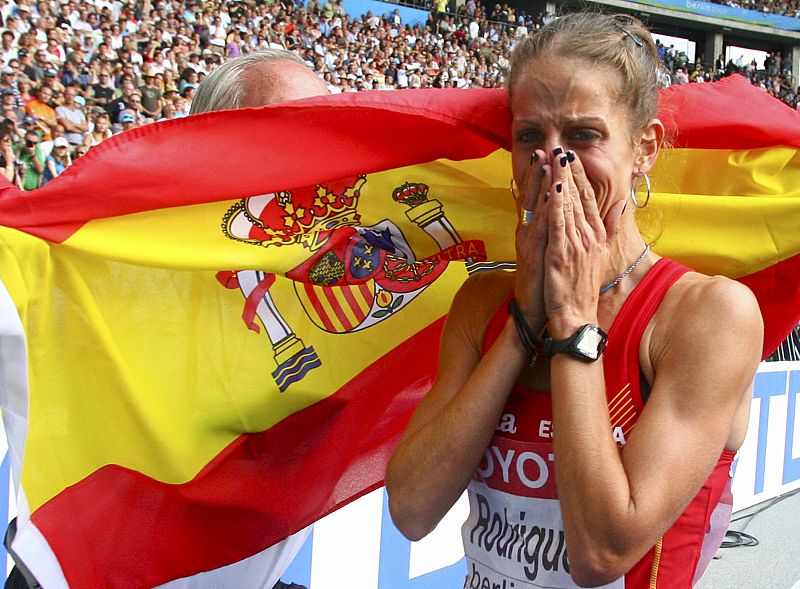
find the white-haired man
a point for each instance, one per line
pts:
(256, 79)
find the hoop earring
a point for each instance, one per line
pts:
(647, 197)
(511, 186)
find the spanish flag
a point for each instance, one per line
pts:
(213, 330)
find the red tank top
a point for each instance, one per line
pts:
(513, 537)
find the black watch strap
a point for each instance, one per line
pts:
(585, 344)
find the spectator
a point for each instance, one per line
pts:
(8, 100)
(58, 161)
(680, 77)
(127, 121)
(32, 156)
(42, 112)
(51, 81)
(151, 97)
(135, 107)
(116, 106)
(78, 151)
(256, 79)
(71, 116)
(8, 161)
(103, 89)
(24, 97)
(100, 131)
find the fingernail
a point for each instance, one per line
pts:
(563, 161)
(558, 150)
(571, 155)
(559, 187)
(546, 196)
(534, 157)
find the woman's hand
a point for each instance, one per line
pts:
(577, 255)
(531, 241)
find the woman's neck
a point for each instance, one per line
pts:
(628, 257)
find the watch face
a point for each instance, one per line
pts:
(590, 343)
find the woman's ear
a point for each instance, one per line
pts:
(650, 142)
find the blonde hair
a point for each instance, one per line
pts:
(619, 42)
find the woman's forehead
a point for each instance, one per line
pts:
(564, 86)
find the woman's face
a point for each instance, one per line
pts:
(573, 104)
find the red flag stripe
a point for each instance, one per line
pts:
(355, 307)
(360, 132)
(260, 489)
(363, 132)
(777, 289)
(311, 293)
(336, 307)
(720, 116)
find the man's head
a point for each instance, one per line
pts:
(31, 141)
(127, 88)
(70, 92)
(258, 78)
(45, 94)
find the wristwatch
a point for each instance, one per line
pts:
(586, 344)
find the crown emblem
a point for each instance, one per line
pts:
(411, 194)
(305, 216)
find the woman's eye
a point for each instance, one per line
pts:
(585, 135)
(530, 137)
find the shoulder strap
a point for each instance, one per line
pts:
(642, 303)
(625, 334)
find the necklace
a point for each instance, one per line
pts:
(630, 269)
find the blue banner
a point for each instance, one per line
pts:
(711, 9)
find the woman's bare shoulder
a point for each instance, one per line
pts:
(708, 298)
(477, 301)
(711, 309)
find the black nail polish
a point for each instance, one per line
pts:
(558, 150)
(559, 186)
(571, 155)
(534, 157)
(546, 196)
(563, 161)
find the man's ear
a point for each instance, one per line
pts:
(650, 142)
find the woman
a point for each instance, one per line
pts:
(25, 97)
(58, 161)
(101, 130)
(616, 455)
(10, 168)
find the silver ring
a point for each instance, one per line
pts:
(527, 217)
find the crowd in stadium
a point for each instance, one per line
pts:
(782, 7)
(73, 73)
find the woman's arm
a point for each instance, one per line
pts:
(50, 163)
(452, 426)
(704, 348)
(9, 171)
(617, 504)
